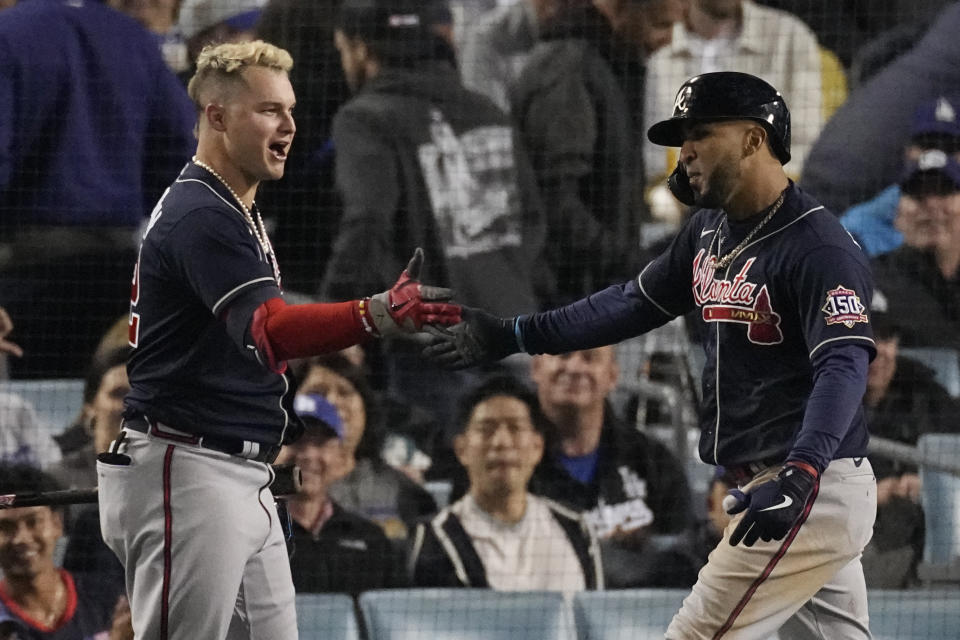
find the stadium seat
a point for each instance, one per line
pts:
(944, 362)
(941, 500)
(466, 614)
(914, 615)
(326, 616)
(57, 402)
(632, 614)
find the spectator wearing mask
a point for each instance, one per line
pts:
(499, 535)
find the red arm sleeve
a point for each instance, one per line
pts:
(281, 331)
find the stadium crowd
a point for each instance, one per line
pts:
(506, 138)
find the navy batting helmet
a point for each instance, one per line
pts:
(727, 95)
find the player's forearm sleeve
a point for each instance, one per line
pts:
(840, 379)
(281, 331)
(606, 317)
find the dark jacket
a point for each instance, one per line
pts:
(350, 554)
(625, 454)
(913, 405)
(421, 161)
(578, 104)
(637, 478)
(924, 304)
(443, 555)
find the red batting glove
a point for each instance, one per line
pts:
(408, 305)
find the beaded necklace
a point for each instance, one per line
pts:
(259, 229)
(724, 262)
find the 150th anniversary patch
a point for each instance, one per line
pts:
(843, 306)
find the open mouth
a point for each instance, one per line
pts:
(278, 150)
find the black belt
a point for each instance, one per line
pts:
(744, 472)
(249, 449)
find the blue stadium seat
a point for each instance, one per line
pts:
(914, 615)
(941, 500)
(326, 616)
(643, 614)
(631, 614)
(466, 614)
(57, 402)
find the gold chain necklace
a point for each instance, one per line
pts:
(261, 232)
(724, 262)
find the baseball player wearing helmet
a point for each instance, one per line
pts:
(184, 497)
(783, 293)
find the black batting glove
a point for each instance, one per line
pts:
(773, 507)
(480, 338)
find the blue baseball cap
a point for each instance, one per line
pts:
(938, 116)
(934, 171)
(316, 411)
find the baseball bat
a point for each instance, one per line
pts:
(286, 481)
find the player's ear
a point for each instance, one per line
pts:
(754, 139)
(214, 114)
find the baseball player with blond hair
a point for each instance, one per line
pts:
(184, 492)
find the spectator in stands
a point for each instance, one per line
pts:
(921, 279)
(104, 387)
(38, 600)
(845, 27)
(204, 22)
(421, 161)
(369, 487)
(23, 439)
(861, 147)
(334, 550)
(875, 223)
(159, 17)
(500, 535)
(498, 45)
(631, 489)
(903, 401)
(579, 106)
(304, 203)
(740, 35)
(93, 126)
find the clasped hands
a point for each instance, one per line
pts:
(455, 337)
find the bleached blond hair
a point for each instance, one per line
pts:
(220, 65)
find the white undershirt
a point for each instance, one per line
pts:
(532, 554)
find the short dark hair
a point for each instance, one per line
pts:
(99, 366)
(500, 385)
(22, 478)
(372, 440)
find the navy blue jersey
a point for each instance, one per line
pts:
(87, 617)
(801, 286)
(199, 255)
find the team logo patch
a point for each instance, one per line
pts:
(843, 306)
